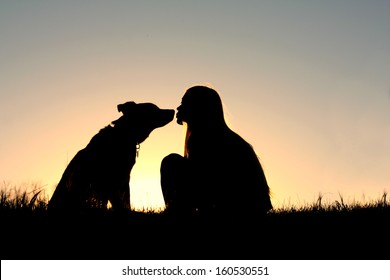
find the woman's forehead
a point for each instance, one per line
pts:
(188, 95)
(185, 98)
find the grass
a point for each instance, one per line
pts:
(33, 198)
(19, 198)
(339, 206)
(344, 230)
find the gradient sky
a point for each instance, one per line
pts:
(307, 83)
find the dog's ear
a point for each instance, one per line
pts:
(127, 107)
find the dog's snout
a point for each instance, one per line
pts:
(165, 117)
(172, 113)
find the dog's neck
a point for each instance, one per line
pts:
(129, 138)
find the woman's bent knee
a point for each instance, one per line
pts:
(173, 180)
(173, 166)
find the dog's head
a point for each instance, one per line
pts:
(142, 118)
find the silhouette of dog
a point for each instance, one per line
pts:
(101, 171)
(220, 172)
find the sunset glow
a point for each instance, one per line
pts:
(307, 84)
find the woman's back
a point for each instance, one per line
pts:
(226, 173)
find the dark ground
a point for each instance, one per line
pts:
(361, 234)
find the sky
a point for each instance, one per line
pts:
(306, 83)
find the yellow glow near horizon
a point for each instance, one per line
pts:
(295, 178)
(311, 95)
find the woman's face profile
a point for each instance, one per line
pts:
(181, 112)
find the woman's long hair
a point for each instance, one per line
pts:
(206, 113)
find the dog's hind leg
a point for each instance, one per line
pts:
(61, 197)
(69, 193)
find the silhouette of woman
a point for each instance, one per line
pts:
(220, 173)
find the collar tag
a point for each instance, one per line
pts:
(137, 147)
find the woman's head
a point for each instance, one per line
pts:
(200, 106)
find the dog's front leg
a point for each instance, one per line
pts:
(126, 197)
(121, 197)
